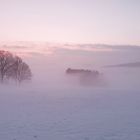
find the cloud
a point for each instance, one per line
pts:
(45, 48)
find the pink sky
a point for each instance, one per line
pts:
(73, 21)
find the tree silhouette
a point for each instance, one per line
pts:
(12, 67)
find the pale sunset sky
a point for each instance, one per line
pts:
(73, 21)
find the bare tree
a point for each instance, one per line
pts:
(12, 67)
(21, 70)
(6, 62)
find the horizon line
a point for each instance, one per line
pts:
(71, 43)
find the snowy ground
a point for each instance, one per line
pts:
(56, 107)
(76, 114)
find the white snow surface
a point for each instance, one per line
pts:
(75, 114)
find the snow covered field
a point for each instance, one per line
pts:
(81, 114)
(56, 107)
